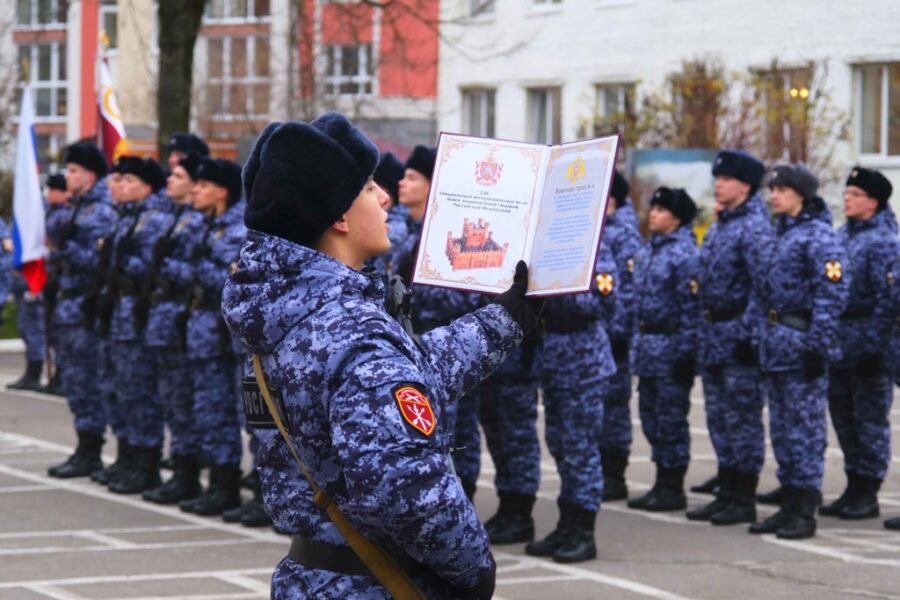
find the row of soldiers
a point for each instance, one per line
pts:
(137, 260)
(773, 305)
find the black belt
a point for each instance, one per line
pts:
(340, 559)
(858, 313)
(713, 315)
(657, 328)
(795, 319)
(568, 326)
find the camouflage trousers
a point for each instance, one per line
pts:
(616, 435)
(215, 410)
(664, 404)
(174, 384)
(509, 418)
(733, 398)
(797, 427)
(136, 393)
(116, 414)
(78, 369)
(860, 412)
(31, 325)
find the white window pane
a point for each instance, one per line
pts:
(893, 123)
(870, 111)
(44, 62)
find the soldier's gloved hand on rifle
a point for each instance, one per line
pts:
(525, 311)
(163, 248)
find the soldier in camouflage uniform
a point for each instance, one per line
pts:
(665, 347)
(576, 363)
(137, 405)
(90, 224)
(860, 386)
(364, 403)
(804, 291)
(622, 236)
(730, 263)
(217, 194)
(57, 216)
(182, 144)
(166, 293)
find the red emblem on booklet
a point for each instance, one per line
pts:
(415, 408)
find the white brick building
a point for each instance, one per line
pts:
(536, 69)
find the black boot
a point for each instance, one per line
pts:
(865, 504)
(801, 523)
(143, 474)
(254, 514)
(775, 497)
(84, 461)
(707, 487)
(559, 537)
(670, 495)
(513, 523)
(123, 461)
(776, 521)
(580, 545)
(614, 464)
(893, 524)
(224, 491)
(54, 386)
(847, 496)
(250, 481)
(31, 380)
(724, 496)
(184, 483)
(742, 506)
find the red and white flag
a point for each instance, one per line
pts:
(112, 131)
(28, 204)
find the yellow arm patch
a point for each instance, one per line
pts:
(834, 271)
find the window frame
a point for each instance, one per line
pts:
(553, 127)
(228, 19)
(33, 22)
(332, 82)
(227, 80)
(883, 156)
(487, 99)
(54, 84)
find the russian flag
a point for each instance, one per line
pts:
(28, 204)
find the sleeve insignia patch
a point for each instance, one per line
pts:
(232, 268)
(415, 408)
(834, 271)
(629, 264)
(890, 278)
(695, 286)
(256, 412)
(605, 284)
(100, 244)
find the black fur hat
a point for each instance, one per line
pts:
(301, 177)
(798, 177)
(188, 142)
(388, 174)
(190, 162)
(57, 182)
(740, 165)
(873, 183)
(677, 201)
(87, 155)
(619, 189)
(223, 173)
(147, 170)
(422, 160)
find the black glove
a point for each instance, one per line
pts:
(525, 311)
(163, 248)
(813, 365)
(126, 245)
(66, 232)
(619, 350)
(200, 252)
(870, 365)
(484, 589)
(406, 263)
(683, 369)
(745, 354)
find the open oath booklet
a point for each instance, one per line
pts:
(494, 202)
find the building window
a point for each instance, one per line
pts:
(480, 7)
(544, 115)
(38, 13)
(614, 109)
(109, 15)
(236, 10)
(46, 64)
(879, 109)
(238, 71)
(349, 70)
(478, 112)
(546, 2)
(786, 94)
